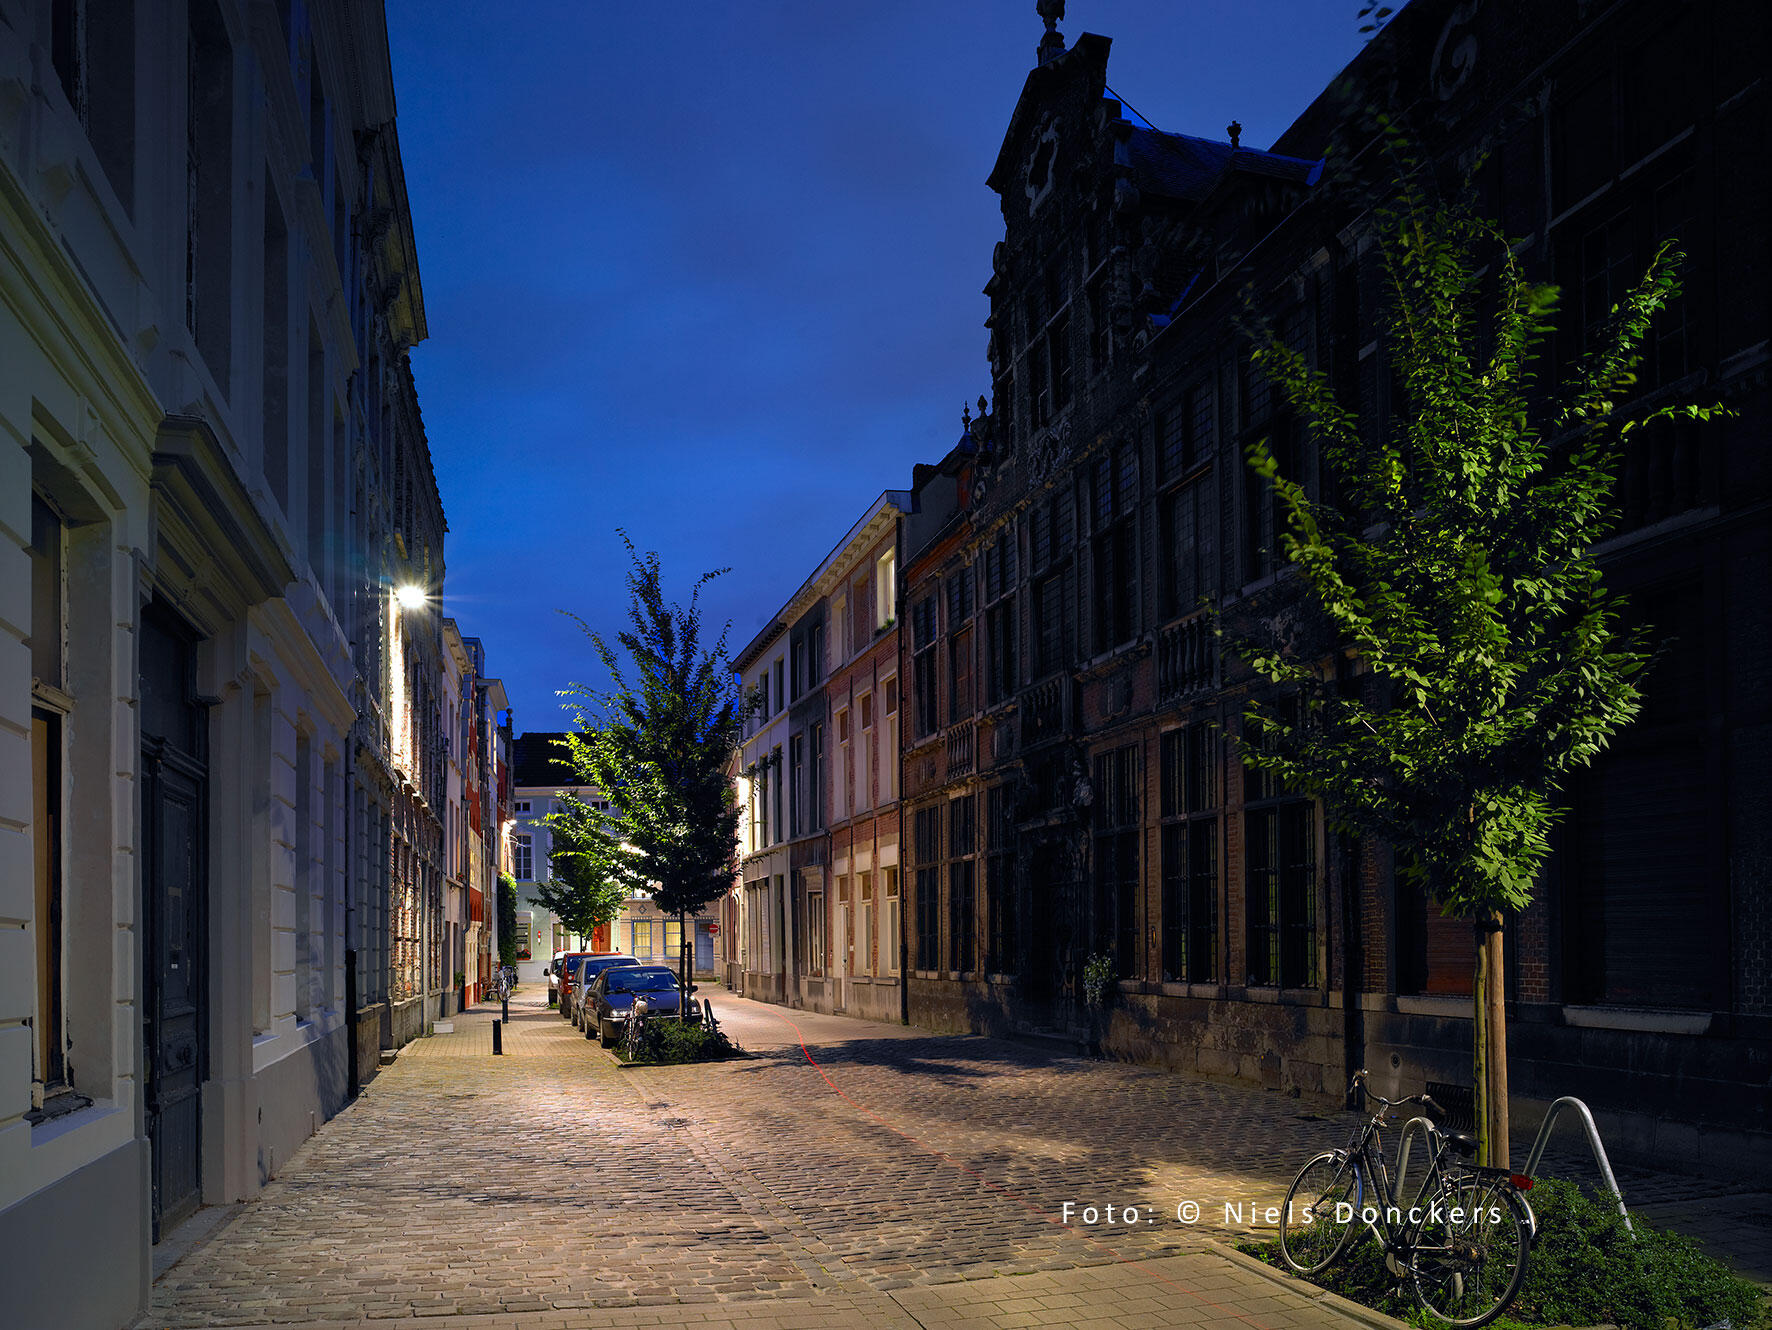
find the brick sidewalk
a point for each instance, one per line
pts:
(910, 1179)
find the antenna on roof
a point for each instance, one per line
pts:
(1052, 44)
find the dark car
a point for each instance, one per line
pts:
(580, 971)
(608, 999)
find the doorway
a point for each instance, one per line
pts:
(175, 1010)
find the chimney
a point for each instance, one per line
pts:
(1235, 130)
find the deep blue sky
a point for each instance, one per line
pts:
(711, 271)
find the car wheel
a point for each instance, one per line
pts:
(604, 1036)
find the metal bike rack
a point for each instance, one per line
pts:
(1593, 1140)
(1403, 1144)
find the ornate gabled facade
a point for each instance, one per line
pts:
(1072, 787)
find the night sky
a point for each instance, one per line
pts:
(711, 272)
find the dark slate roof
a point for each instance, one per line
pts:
(1180, 166)
(538, 760)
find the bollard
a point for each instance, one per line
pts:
(498, 1038)
(505, 1004)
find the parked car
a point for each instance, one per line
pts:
(579, 969)
(553, 974)
(612, 994)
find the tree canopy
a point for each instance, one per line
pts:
(659, 742)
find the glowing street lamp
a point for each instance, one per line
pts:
(411, 597)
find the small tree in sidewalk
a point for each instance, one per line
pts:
(593, 872)
(659, 743)
(507, 920)
(1455, 562)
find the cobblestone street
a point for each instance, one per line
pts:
(903, 1179)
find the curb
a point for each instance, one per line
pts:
(1354, 1311)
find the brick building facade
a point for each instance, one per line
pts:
(1071, 777)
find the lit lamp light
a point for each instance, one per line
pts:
(411, 597)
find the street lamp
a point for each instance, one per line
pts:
(410, 596)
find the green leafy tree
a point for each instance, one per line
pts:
(507, 920)
(1455, 560)
(659, 743)
(593, 872)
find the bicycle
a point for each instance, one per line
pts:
(634, 1036)
(503, 984)
(1462, 1242)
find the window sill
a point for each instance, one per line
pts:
(1640, 1020)
(1427, 1004)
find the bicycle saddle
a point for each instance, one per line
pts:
(1462, 1141)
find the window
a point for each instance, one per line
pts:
(781, 693)
(775, 766)
(962, 894)
(885, 589)
(1101, 331)
(889, 743)
(763, 802)
(49, 714)
(864, 766)
(815, 660)
(1116, 858)
(796, 783)
(815, 932)
(1000, 879)
(928, 846)
(865, 962)
(522, 859)
(843, 801)
(1000, 625)
(1185, 551)
(1048, 626)
(1280, 890)
(209, 187)
(923, 666)
(525, 931)
(1184, 434)
(815, 781)
(1189, 802)
(797, 683)
(275, 396)
(640, 933)
(861, 614)
(673, 940)
(1112, 485)
(890, 909)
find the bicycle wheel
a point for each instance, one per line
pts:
(1470, 1256)
(1320, 1213)
(634, 1041)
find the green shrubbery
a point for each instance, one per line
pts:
(682, 1041)
(1585, 1269)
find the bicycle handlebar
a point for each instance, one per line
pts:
(1427, 1101)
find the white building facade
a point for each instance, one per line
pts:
(207, 289)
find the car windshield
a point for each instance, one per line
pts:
(640, 981)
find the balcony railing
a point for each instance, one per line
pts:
(960, 749)
(1043, 714)
(1187, 658)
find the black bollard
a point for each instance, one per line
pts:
(505, 1004)
(498, 1038)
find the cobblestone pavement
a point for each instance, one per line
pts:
(901, 1179)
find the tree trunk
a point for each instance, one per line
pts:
(1491, 1048)
(683, 944)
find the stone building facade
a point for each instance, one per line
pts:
(1072, 785)
(212, 476)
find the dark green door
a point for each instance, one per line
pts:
(175, 1008)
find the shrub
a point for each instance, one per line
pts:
(1585, 1269)
(669, 1041)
